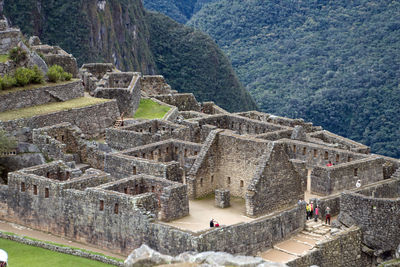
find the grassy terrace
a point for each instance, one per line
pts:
(32, 86)
(50, 108)
(24, 255)
(149, 109)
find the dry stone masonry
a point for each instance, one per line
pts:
(136, 183)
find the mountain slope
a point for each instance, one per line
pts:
(118, 31)
(184, 56)
(179, 10)
(335, 63)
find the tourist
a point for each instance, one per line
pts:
(311, 209)
(212, 223)
(316, 213)
(329, 164)
(327, 215)
(216, 224)
(308, 209)
(358, 184)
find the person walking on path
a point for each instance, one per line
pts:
(316, 213)
(311, 209)
(328, 216)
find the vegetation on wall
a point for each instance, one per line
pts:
(335, 63)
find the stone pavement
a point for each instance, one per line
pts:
(298, 245)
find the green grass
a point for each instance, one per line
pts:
(148, 109)
(32, 86)
(24, 255)
(49, 108)
(3, 58)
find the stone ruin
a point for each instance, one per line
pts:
(138, 182)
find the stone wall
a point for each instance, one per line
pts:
(41, 95)
(340, 142)
(378, 218)
(92, 120)
(275, 184)
(329, 180)
(212, 109)
(9, 38)
(144, 133)
(342, 250)
(184, 102)
(155, 85)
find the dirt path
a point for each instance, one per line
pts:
(25, 231)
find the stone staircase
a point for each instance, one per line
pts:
(298, 245)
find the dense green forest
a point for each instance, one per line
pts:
(335, 63)
(179, 10)
(123, 33)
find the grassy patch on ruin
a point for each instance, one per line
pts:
(33, 86)
(148, 109)
(4, 58)
(50, 108)
(24, 255)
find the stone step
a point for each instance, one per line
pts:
(293, 247)
(311, 233)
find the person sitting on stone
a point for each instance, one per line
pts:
(358, 184)
(212, 223)
(216, 224)
(329, 164)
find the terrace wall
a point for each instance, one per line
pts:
(42, 95)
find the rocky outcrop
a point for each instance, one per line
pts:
(145, 256)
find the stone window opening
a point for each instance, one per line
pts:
(144, 155)
(304, 150)
(349, 159)
(176, 150)
(212, 178)
(101, 208)
(337, 158)
(326, 155)
(35, 189)
(195, 153)
(153, 189)
(134, 170)
(167, 150)
(229, 180)
(126, 190)
(23, 187)
(186, 152)
(315, 153)
(46, 192)
(163, 128)
(116, 206)
(47, 141)
(356, 172)
(149, 129)
(241, 183)
(201, 182)
(294, 149)
(62, 137)
(48, 174)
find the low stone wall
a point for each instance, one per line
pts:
(212, 109)
(67, 61)
(378, 219)
(92, 120)
(342, 142)
(41, 95)
(184, 102)
(342, 250)
(61, 249)
(154, 85)
(9, 38)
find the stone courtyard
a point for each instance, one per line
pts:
(159, 182)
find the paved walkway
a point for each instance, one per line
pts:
(299, 244)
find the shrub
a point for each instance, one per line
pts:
(37, 75)
(17, 54)
(56, 73)
(24, 76)
(8, 82)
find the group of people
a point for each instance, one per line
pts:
(214, 223)
(314, 211)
